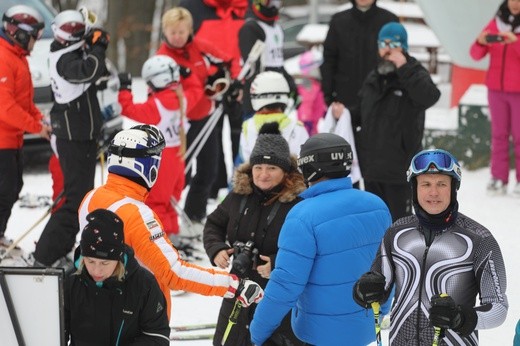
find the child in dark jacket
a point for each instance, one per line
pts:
(111, 299)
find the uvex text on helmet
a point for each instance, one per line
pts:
(68, 26)
(23, 22)
(325, 155)
(160, 71)
(269, 89)
(136, 153)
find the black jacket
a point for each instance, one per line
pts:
(392, 113)
(80, 119)
(228, 223)
(350, 52)
(128, 312)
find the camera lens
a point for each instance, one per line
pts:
(241, 264)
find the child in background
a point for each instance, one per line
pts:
(164, 108)
(312, 106)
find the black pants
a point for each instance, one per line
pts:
(78, 163)
(201, 183)
(11, 182)
(398, 197)
(234, 114)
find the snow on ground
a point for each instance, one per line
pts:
(499, 214)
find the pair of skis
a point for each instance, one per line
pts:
(180, 336)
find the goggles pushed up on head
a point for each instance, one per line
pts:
(389, 44)
(434, 161)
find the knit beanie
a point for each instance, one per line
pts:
(394, 32)
(103, 236)
(271, 148)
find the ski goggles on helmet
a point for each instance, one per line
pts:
(271, 3)
(389, 44)
(434, 161)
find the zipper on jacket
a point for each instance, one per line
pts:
(428, 241)
(502, 71)
(119, 333)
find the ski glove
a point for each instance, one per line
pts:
(370, 288)
(98, 37)
(446, 314)
(234, 91)
(246, 291)
(125, 81)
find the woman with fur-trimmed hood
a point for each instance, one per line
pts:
(247, 223)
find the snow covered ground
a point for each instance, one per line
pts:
(499, 214)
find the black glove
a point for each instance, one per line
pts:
(233, 91)
(370, 288)
(98, 37)
(125, 81)
(185, 72)
(446, 314)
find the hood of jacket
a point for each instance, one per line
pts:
(293, 184)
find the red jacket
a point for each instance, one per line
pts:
(192, 56)
(18, 114)
(504, 66)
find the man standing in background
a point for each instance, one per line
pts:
(22, 26)
(350, 52)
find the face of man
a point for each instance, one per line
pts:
(434, 192)
(364, 3)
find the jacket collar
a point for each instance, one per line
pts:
(126, 187)
(326, 186)
(9, 44)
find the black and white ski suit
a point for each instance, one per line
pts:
(463, 261)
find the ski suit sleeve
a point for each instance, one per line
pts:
(75, 69)
(144, 233)
(490, 272)
(294, 262)
(247, 37)
(214, 236)
(154, 326)
(383, 263)
(146, 112)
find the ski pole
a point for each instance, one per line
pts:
(439, 332)
(233, 318)
(376, 307)
(20, 238)
(203, 131)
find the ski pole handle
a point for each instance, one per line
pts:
(439, 332)
(233, 318)
(376, 308)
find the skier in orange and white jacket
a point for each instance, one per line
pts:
(133, 163)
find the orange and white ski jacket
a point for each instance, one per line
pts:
(144, 233)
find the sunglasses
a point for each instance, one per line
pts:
(435, 161)
(390, 44)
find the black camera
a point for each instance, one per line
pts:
(245, 257)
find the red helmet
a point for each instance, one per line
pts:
(23, 22)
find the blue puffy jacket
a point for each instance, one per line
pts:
(327, 242)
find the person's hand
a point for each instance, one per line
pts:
(446, 314)
(481, 39)
(369, 288)
(397, 57)
(245, 291)
(222, 258)
(235, 92)
(46, 131)
(265, 269)
(98, 37)
(125, 81)
(509, 37)
(337, 109)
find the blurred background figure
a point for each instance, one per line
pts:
(312, 106)
(21, 27)
(499, 40)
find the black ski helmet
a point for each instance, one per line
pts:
(325, 155)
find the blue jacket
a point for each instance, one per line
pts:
(327, 242)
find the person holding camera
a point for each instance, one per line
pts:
(76, 63)
(250, 219)
(499, 39)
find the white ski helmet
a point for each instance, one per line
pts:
(269, 89)
(23, 22)
(136, 153)
(68, 26)
(160, 71)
